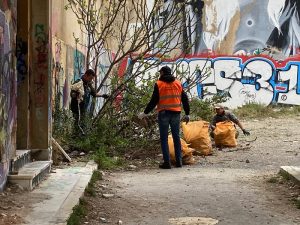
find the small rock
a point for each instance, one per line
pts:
(103, 220)
(86, 222)
(108, 195)
(3, 215)
(132, 167)
(102, 173)
(120, 222)
(82, 154)
(74, 153)
(102, 186)
(247, 161)
(20, 187)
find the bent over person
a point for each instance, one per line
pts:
(81, 92)
(168, 96)
(224, 115)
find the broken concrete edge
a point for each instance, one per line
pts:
(291, 173)
(92, 166)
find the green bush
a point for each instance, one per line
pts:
(79, 212)
(105, 162)
(203, 109)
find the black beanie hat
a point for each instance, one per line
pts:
(166, 71)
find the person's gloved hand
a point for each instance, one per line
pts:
(245, 132)
(142, 115)
(186, 118)
(105, 96)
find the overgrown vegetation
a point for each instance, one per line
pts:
(204, 109)
(79, 211)
(120, 135)
(259, 111)
(90, 189)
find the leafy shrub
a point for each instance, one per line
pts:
(203, 109)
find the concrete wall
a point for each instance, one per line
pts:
(8, 85)
(247, 49)
(68, 59)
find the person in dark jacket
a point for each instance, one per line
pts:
(224, 115)
(169, 96)
(80, 104)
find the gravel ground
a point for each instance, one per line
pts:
(233, 186)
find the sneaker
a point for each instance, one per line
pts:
(165, 165)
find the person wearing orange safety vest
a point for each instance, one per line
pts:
(168, 97)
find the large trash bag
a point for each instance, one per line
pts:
(196, 134)
(225, 134)
(187, 152)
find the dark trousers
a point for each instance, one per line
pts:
(168, 119)
(79, 115)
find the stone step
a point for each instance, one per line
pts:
(293, 172)
(31, 174)
(21, 159)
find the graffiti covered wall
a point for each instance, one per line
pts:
(242, 79)
(68, 66)
(8, 84)
(68, 59)
(247, 49)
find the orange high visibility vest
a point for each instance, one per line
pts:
(169, 96)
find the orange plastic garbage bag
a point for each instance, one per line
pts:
(224, 134)
(187, 152)
(196, 134)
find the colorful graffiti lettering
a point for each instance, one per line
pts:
(79, 64)
(8, 82)
(244, 80)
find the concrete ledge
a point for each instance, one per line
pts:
(65, 187)
(21, 159)
(31, 174)
(293, 172)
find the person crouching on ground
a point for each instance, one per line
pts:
(224, 115)
(168, 96)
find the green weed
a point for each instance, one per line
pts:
(297, 202)
(273, 180)
(106, 162)
(79, 211)
(90, 189)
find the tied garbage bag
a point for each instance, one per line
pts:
(197, 135)
(225, 134)
(187, 152)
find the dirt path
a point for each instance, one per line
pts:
(230, 187)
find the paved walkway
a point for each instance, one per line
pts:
(64, 189)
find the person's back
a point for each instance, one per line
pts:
(168, 96)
